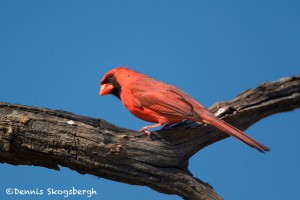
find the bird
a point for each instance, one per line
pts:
(163, 104)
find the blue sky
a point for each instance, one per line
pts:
(54, 53)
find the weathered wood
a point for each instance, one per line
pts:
(48, 138)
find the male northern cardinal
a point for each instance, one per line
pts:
(163, 104)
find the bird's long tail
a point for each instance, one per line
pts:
(232, 131)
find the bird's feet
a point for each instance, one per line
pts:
(145, 130)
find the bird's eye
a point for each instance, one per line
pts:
(109, 79)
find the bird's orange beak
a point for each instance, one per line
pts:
(105, 89)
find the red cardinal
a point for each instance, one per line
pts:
(163, 104)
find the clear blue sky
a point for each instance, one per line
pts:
(53, 54)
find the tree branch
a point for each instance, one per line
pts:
(48, 138)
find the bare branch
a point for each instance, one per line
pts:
(48, 138)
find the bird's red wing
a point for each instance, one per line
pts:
(165, 102)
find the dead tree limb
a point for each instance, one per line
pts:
(48, 138)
